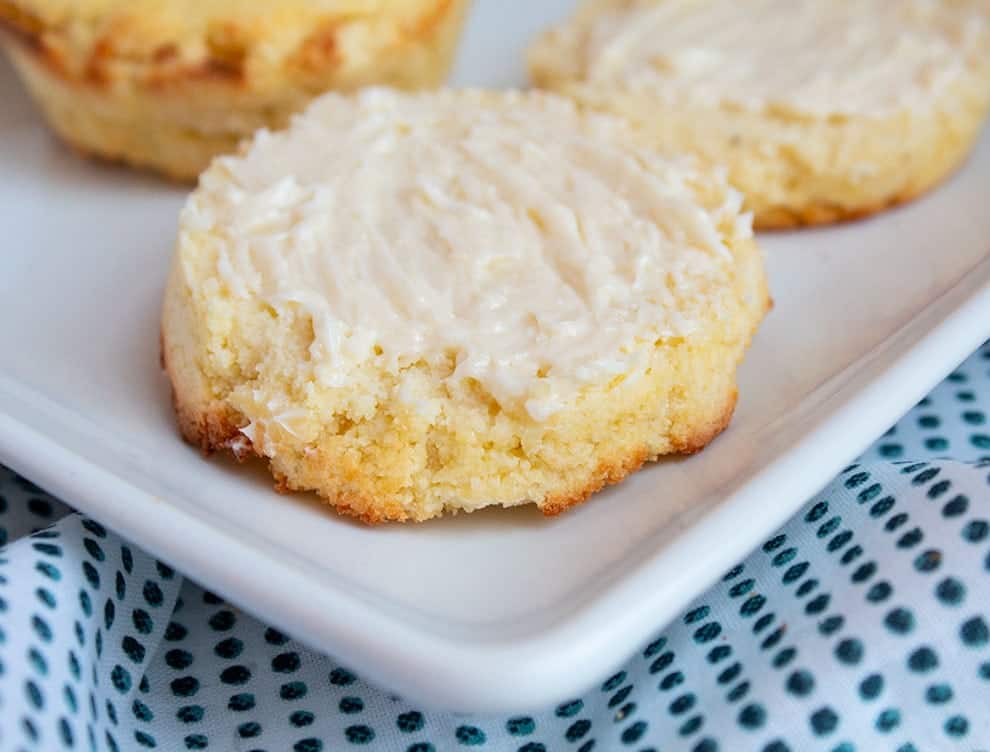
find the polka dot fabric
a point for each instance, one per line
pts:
(952, 422)
(862, 625)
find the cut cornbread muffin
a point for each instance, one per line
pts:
(821, 110)
(414, 304)
(169, 85)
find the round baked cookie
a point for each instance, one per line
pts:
(169, 84)
(821, 110)
(413, 304)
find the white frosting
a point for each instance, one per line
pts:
(535, 246)
(817, 57)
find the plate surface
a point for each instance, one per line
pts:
(493, 611)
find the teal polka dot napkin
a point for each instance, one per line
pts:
(862, 625)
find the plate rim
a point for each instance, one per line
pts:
(540, 668)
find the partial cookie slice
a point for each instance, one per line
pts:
(414, 304)
(822, 110)
(169, 84)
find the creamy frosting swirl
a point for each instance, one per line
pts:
(817, 57)
(533, 244)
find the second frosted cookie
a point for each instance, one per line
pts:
(418, 304)
(821, 109)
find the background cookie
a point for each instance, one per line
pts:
(168, 85)
(414, 304)
(821, 109)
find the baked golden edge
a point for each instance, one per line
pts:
(213, 426)
(948, 156)
(948, 131)
(63, 94)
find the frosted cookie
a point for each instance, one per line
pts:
(168, 84)
(414, 304)
(822, 110)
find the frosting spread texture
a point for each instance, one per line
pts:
(817, 57)
(530, 245)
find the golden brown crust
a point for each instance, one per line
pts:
(788, 218)
(135, 90)
(606, 473)
(22, 30)
(705, 433)
(319, 50)
(20, 24)
(615, 471)
(227, 47)
(210, 431)
(218, 430)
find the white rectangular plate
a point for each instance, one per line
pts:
(497, 610)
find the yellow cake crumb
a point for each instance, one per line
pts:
(625, 287)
